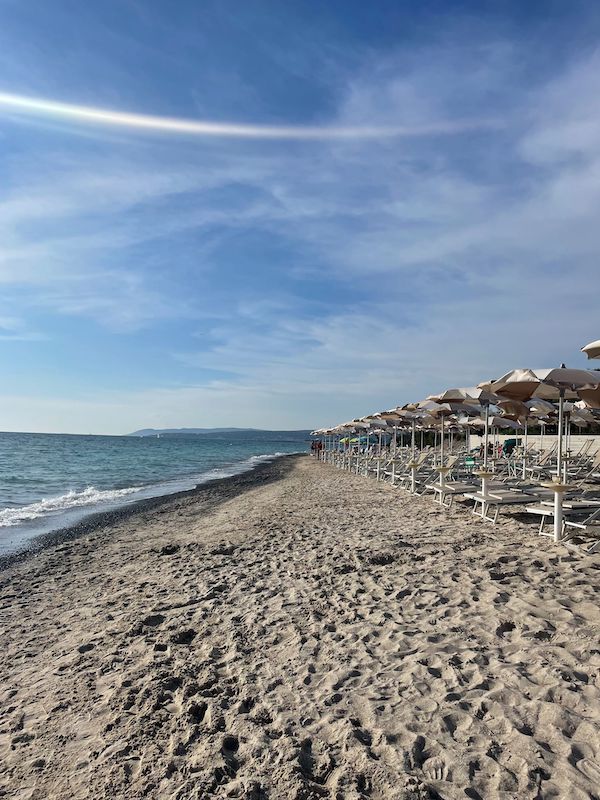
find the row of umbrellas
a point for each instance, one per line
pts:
(512, 401)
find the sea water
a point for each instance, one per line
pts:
(49, 481)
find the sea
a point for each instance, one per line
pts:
(51, 481)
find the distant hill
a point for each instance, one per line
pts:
(156, 431)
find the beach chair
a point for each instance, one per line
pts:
(445, 494)
(450, 486)
(427, 475)
(395, 467)
(404, 478)
(590, 526)
(586, 471)
(572, 508)
(467, 484)
(497, 498)
(544, 464)
(377, 465)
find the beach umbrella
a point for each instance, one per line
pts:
(592, 350)
(581, 414)
(542, 411)
(472, 396)
(439, 411)
(591, 396)
(517, 409)
(393, 419)
(417, 417)
(560, 383)
(378, 427)
(540, 408)
(421, 418)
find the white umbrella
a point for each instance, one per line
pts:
(470, 396)
(440, 411)
(592, 350)
(542, 410)
(549, 384)
(518, 409)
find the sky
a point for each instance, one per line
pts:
(366, 203)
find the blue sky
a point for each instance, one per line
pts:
(165, 279)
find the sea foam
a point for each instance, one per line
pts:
(54, 505)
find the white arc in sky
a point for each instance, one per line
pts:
(39, 107)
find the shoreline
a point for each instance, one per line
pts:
(304, 633)
(230, 486)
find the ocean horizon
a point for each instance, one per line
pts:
(49, 481)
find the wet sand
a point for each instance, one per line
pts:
(297, 632)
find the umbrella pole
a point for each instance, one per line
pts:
(484, 476)
(442, 468)
(525, 450)
(567, 444)
(442, 443)
(486, 436)
(413, 469)
(558, 495)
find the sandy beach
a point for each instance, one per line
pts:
(299, 632)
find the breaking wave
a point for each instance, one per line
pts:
(65, 502)
(90, 497)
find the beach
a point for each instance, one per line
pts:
(300, 632)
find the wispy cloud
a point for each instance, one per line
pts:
(36, 106)
(329, 276)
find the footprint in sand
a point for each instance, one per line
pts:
(169, 550)
(185, 636)
(229, 748)
(197, 712)
(504, 628)
(152, 620)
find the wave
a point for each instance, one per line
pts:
(72, 500)
(241, 466)
(65, 502)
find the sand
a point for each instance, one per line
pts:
(309, 634)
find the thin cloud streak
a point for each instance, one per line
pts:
(32, 106)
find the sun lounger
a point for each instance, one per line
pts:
(496, 499)
(590, 526)
(451, 489)
(571, 508)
